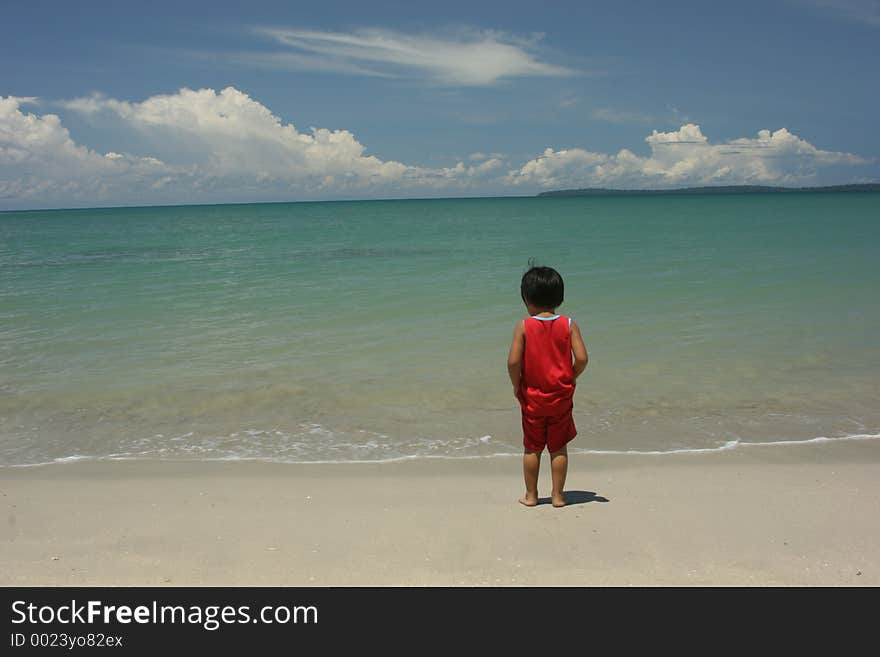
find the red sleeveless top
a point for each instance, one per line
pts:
(548, 378)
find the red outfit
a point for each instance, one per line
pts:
(547, 385)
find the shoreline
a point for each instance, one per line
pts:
(574, 451)
(780, 515)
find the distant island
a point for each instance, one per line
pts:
(726, 189)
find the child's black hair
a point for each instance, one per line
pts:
(542, 286)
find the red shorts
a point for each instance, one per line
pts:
(553, 432)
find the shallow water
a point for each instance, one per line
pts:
(379, 329)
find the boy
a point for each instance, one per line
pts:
(543, 377)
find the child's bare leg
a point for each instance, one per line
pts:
(559, 468)
(531, 465)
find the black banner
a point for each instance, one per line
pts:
(148, 620)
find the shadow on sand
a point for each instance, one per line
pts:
(573, 497)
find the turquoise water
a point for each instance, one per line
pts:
(379, 330)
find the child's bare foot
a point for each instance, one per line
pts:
(558, 500)
(528, 500)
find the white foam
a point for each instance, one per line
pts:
(372, 449)
(730, 444)
(72, 458)
(733, 444)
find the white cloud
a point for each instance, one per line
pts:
(476, 157)
(488, 165)
(207, 146)
(229, 132)
(465, 58)
(684, 157)
(686, 134)
(39, 160)
(202, 145)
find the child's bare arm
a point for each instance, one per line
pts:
(578, 349)
(515, 357)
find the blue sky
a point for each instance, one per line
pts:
(109, 103)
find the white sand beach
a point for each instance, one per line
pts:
(806, 515)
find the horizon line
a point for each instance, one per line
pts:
(540, 195)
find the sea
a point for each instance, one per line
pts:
(364, 331)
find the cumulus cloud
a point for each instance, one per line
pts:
(39, 160)
(684, 157)
(464, 58)
(231, 133)
(201, 143)
(197, 146)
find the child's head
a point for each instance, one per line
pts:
(542, 288)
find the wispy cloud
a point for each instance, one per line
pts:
(291, 61)
(610, 115)
(465, 57)
(485, 156)
(860, 11)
